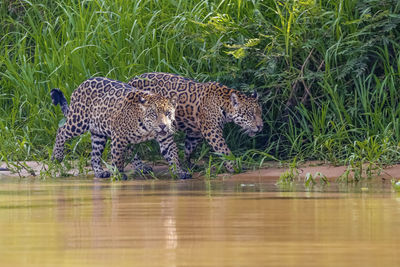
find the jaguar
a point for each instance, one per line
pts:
(203, 109)
(109, 108)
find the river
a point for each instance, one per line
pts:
(222, 222)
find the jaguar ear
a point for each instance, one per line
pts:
(142, 100)
(146, 106)
(234, 100)
(254, 94)
(130, 96)
(134, 96)
(173, 100)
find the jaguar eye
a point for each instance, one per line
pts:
(152, 115)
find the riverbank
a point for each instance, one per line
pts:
(271, 172)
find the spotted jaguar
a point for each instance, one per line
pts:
(204, 108)
(109, 108)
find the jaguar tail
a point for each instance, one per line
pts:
(58, 98)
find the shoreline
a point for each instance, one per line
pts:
(271, 172)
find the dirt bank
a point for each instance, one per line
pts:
(269, 172)
(329, 171)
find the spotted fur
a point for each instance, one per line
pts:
(109, 108)
(204, 108)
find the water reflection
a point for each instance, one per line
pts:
(195, 223)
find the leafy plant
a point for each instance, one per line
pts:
(396, 185)
(289, 176)
(326, 71)
(311, 180)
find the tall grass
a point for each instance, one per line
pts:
(327, 71)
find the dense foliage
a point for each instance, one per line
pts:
(328, 71)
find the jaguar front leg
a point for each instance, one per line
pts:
(118, 148)
(214, 136)
(138, 165)
(98, 144)
(170, 153)
(191, 143)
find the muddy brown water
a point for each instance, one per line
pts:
(231, 222)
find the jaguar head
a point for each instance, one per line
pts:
(159, 114)
(246, 112)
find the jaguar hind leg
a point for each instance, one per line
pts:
(64, 133)
(74, 126)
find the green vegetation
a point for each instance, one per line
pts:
(327, 71)
(396, 185)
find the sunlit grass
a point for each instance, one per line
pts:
(327, 71)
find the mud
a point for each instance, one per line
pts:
(270, 172)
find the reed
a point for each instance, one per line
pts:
(327, 71)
